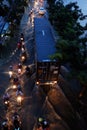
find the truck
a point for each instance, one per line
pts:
(47, 70)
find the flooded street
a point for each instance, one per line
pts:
(48, 102)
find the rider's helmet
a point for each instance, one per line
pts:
(10, 67)
(5, 123)
(40, 119)
(19, 64)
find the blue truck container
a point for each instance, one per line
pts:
(46, 69)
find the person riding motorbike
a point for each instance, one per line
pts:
(24, 53)
(23, 49)
(5, 125)
(23, 45)
(23, 56)
(19, 66)
(19, 95)
(39, 123)
(15, 80)
(19, 88)
(39, 126)
(45, 125)
(16, 120)
(28, 70)
(6, 97)
(10, 71)
(19, 92)
(19, 45)
(22, 37)
(10, 68)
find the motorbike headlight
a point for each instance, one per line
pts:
(6, 102)
(23, 57)
(10, 72)
(22, 38)
(14, 86)
(19, 99)
(19, 71)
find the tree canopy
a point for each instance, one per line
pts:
(72, 42)
(65, 19)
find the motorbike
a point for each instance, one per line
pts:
(17, 127)
(16, 81)
(22, 37)
(6, 103)
(19, 45)
(23, 48)
(5, 125)
(10, 75)
(44, 123)
(19, 68)
(28, 71)
(19, 71)
(23, 58)
(16, 122)
(19, 97)
(14, 86)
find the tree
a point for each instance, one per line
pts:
(65, 20)
(72, 46)
(82, 77)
